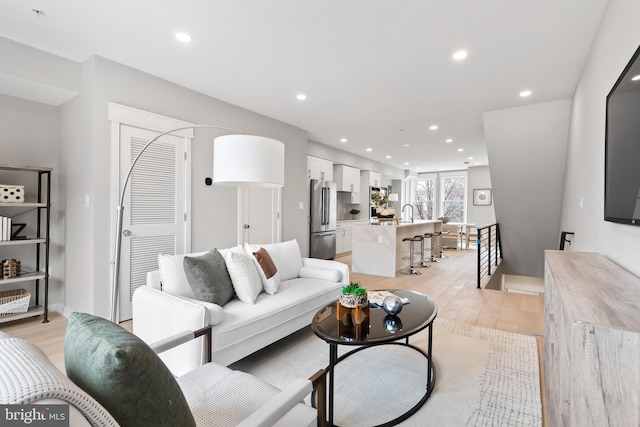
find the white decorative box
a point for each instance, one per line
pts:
(12, 193)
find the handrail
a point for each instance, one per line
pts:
(564, 239)
(489, 249)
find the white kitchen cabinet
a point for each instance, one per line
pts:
(374, 178)
(347, 178)
(340, 239)
(343, 239)
(318, 168)
(355, 198)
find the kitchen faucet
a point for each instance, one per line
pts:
(411, 206)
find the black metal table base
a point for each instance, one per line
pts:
(431, 376)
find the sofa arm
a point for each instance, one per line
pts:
(329, 264)
(158, 315)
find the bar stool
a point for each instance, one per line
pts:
(423, 264)
(442, 234)
(412, 267)
(436, 245)
(430, 248)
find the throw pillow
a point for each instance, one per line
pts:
(244, 276)
(320, 273)
(174, 281)
(209, 278)
(286, 256)
(123, 374)
(266, 269)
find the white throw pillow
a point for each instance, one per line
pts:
(286, 256)
(174, 280)
(244, 276)
(271, 284)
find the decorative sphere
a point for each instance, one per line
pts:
(392, 323)
(392, 304)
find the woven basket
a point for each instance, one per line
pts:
(14, 301)
(10, 268)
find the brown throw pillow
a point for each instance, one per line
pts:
(266, 263)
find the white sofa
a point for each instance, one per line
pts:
(166, 306)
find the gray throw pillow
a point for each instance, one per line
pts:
(123, 374)
(209, 278)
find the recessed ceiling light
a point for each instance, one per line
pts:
(470, 158)
(460, 55)
(407, 145)
(418, 167)
(525, 93)
(449, 140)
(369, 149)
(183, 37)
(476, 163)
(635, 78)
(406, 163)
(301, 97)
(343, 140)
(433, 127)
(460, 149)
(387, 157)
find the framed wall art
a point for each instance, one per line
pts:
(482, 197)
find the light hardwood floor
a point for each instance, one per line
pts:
(451, 283)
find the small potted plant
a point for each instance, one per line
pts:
(353, 296)
(354, 213)
(444, 219)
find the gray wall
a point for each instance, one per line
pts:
(29, 136)
(527, 149)
(479, 177)
(617, 40)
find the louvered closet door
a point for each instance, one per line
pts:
(154, 214)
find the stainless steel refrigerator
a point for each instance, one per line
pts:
(323, 208)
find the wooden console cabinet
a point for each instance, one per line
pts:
(592, 341)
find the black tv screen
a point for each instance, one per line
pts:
(622, 147)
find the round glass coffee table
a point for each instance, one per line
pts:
(372, 326)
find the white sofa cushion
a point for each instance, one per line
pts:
(286, 256)
(294, 298)
(270, 284)
(244, 275)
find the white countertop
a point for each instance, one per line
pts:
(403, 223)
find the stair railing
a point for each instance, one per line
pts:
(489, 250)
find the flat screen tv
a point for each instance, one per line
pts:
(622, 147)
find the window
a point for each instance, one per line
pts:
(453, 191)
(425, 198)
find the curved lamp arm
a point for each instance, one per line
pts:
(115, 288)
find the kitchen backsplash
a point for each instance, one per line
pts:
(344, 206)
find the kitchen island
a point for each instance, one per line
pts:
(379, 249)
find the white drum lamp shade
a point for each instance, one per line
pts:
(248, 161)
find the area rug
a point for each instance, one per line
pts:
(484, 377)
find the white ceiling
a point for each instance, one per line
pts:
(377, 72)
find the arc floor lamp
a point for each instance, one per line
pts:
(239, 160)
